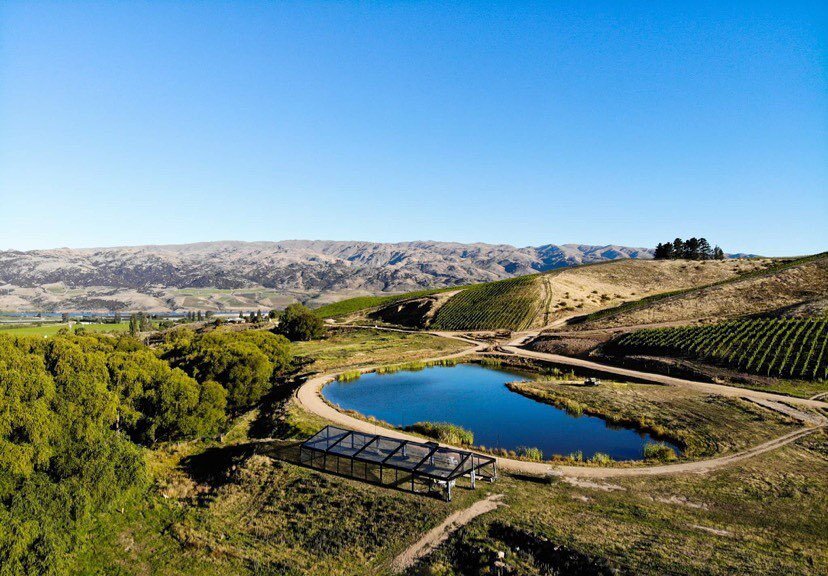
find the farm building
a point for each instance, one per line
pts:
(424, 467)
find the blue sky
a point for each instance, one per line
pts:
(522, 123)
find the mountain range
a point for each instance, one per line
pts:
(233, 275)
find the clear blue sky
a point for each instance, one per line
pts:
(588, 122)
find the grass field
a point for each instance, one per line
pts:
(787, 348)
(510, 304)
(52, 329)
(765, 516)
(352, 348)
(706, 425)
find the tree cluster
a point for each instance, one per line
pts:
(245, 364)
(298, 323)
(75, 408)
(690, 249)
(139, 322)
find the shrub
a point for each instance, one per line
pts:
(530, 453)
(659, 451)
(601, 459)
(443, 432)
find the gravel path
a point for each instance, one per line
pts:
(439, 534)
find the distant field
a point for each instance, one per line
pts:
(510, 304)
(787, 348)
(52, 329)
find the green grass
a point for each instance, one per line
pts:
(767, 515)
(52, 329)
(507, 304)
(786, 347)
(352, 348)
(782, 264)
(703, 425)
(443, 432)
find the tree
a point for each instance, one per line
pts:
(298, 323)
(678, 248)
(660, 252)
(718, 253)
(691, 249)
(705, 251)
(198, 316)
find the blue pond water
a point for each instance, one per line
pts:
(477, 399)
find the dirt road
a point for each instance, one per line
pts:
(309, 397)
(720, 389)
(439, 534)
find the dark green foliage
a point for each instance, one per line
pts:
(691, 249)
(61, 461)
(246, 364)
(160, 403)
(298, 323)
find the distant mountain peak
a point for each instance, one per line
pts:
(132, 277)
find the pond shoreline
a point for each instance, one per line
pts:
(561, 436)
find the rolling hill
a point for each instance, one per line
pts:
(539, 299)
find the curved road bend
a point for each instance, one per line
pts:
(309, 396)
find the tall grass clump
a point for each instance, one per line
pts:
(530, 453)
(659, 451)
(601, 459)
(349, 376)
(443, 432)
(415, 366)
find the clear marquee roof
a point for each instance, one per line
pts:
(422, 458)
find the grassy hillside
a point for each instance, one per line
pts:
(538, 299)
(790, 348)
(782, 283)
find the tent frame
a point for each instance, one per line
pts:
(427, 463)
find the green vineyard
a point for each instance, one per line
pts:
(510, 304)
(352, 305)
(786, 348)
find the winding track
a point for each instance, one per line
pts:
(309, 396)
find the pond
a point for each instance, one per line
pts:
(476, 398)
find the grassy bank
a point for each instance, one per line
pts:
(350, 348)
(703, 425)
